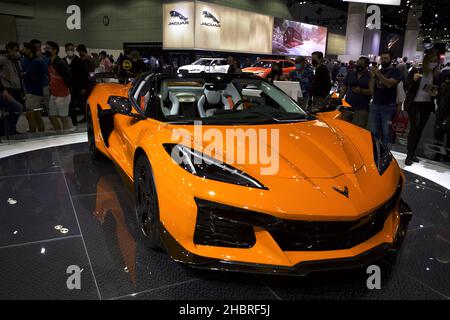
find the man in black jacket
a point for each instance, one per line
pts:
(80, 82)
(321, 84)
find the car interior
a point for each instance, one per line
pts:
(197, 100)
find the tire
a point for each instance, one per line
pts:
(147, 208)
(93, 151)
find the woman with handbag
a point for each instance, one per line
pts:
(421, 91)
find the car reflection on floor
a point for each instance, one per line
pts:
(108, 211)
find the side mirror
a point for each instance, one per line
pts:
(330, 104)
(345, 109)
(120, 105)
(335, 103)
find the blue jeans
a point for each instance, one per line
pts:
(380, 122)
(14, 109)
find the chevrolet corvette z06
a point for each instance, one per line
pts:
(329, 198)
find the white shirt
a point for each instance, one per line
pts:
(69, 61)
(422, 95)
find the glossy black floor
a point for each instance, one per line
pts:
(63, 187)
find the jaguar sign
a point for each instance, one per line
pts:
(210, 20)
(178, 25)
(178, 18)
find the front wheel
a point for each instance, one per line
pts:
(147, 208)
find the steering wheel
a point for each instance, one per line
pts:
(236, 106)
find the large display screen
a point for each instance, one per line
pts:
(200, 25)
(392, 42)
(296, 38)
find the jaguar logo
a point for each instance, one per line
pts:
(344, 192)
(210, 16)
(176, 15)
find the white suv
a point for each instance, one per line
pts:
(206, 65)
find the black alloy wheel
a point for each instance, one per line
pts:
(147, 208)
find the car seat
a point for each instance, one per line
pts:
(213, 100)
(169, 102)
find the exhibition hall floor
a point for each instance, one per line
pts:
(58, 208)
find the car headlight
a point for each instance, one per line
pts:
(382, 156)
(207, 167)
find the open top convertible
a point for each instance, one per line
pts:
(230, 173)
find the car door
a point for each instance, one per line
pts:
(126, 131)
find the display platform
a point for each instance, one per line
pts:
(58, 208)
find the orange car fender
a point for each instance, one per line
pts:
(362, 139)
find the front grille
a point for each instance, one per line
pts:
(216, 229)
(225, 226)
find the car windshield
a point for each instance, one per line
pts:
(263, 64)
(202, 62)
(225, 100)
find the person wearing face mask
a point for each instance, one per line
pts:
(80, 83)
(304, 74)
(321, 84)
(384, 105)
(422, 89)
(60, 84)
(358, 89)
(34, 84)
(12, 86)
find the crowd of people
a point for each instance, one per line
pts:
(35, 79)
(378, 93)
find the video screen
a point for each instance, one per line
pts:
(296, 38)
(392, 42)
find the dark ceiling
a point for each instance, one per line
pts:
(394, 18)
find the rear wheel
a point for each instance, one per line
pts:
(93, 151)
(147, 208)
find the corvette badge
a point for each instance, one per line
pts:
(344, 192)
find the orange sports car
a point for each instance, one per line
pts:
(263, 67)
(230, 173)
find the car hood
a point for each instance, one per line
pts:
(312, 149)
